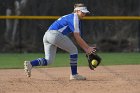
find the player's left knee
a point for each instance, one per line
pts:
(74, 50)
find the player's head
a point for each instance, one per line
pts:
(80, 9)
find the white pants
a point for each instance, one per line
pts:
(53, 39)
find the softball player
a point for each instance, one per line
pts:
(56, 36)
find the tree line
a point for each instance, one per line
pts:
(109, 36)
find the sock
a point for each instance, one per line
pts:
(73, 63)
(39, 62)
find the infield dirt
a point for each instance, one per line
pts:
(105, 79)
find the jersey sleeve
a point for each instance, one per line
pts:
(74, 24)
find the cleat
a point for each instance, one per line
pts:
(77, 77)
(27, 68)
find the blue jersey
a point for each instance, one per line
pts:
(66, 24)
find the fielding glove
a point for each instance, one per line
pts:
(93, 60)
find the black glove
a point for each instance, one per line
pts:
(91, 57)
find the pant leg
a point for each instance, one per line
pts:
(61, 41)
(67, 45)
(50, 52)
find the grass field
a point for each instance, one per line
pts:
(15, 60)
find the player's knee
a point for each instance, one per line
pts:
(74, 50)
(49, 61)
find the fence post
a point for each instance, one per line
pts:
(139, 36)
(20, 38)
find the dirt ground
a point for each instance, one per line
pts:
(105, 79)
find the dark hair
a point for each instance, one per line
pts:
(78, 5)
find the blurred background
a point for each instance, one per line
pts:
(25, 35)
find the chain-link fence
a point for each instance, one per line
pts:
(25, 35)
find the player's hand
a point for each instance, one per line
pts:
(91, 50)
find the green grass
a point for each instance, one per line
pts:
(15, 60)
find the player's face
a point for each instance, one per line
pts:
(81, 14)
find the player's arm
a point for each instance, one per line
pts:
(78, 38)
(83, 44)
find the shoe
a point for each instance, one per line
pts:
(77, 77)
(27, 68)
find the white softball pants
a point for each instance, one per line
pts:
(53, 39)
